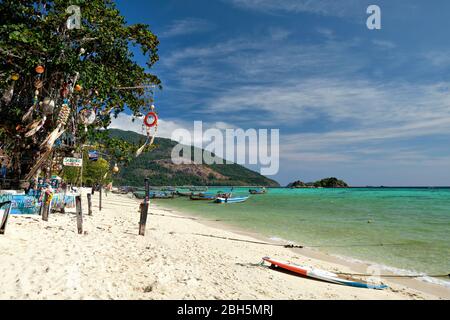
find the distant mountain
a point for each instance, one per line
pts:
(158, 167)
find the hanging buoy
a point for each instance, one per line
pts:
(155, 119)
(40, 69)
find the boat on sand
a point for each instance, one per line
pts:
(322, 275)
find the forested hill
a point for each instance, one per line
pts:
(158, 167)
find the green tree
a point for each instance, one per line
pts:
(86, 68)
(96, 172)
(70, 174)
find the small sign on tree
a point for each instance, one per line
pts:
(73, 162)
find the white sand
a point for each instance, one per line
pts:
(40, 260)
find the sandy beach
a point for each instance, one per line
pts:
(49, 260)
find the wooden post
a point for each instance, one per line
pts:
(79, 215)
(89, 198)
(144, 209)
(100, 198)
(63, 209)
(4, 220)
(45, 207)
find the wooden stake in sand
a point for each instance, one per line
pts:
(100, 198)
(4, 220)
(79, 215)
(45, 207)
(89, 198)
(144, 209)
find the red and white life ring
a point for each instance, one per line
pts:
(155, 119)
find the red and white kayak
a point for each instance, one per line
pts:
(323, 275)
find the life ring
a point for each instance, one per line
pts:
(155, 119)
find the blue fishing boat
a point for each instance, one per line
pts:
(231, 200)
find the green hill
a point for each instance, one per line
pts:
(158, 167)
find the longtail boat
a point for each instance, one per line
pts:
(231, 200)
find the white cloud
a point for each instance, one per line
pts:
(384, 44)
(127, 122)
(165, 127)
(338, 8)
(186, 26)
(440, 59)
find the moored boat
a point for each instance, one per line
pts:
(258, 191)
(198, 189)
(154, 195)
(203, 197)
(231, 200)
(184, 194)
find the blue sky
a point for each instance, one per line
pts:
(369, 106)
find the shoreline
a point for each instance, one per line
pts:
(356, 266)
(110, 261)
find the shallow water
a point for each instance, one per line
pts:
(412, 224)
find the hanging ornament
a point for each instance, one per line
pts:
(34, 127)
(8, 95)
(27, 116)
(149, 141)
(116, 169)
(15, 77)
(65, 90)
(61, 122)
(38, 84)
(82, 51)
(47, 106)
(40, 69)
(78, 88)
(87, 117)
(149, 124)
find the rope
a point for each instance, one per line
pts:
(394, 276)
(289, 246)
(195, 219)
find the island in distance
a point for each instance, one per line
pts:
(324, 183)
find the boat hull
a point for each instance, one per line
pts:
(322, 275)
(231, 200)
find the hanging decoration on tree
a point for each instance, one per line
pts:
(38, 84)
(34, 127)
(47, 106)
(150, 121)
(9, 93)
(40, 69)
(87, 117)
(63, 117)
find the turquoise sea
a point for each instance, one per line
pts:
(412, 223)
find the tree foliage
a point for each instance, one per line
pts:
(35, 33)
